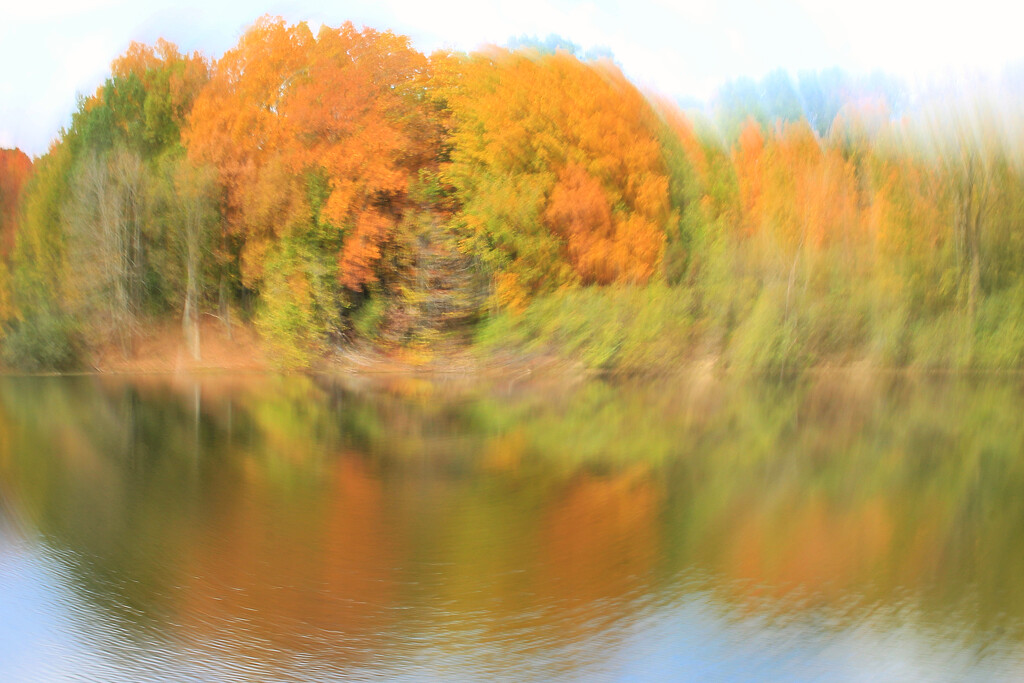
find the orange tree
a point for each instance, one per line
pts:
(316, 140)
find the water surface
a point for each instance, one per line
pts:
(234, 528)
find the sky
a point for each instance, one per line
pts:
(51, 51)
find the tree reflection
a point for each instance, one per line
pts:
(299, 521)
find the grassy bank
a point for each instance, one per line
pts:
(654, 329)
(765, 329)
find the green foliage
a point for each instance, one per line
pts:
(6, 307)
(367, 319)
(299, 310)
(941, 342)
(39, 254)
(620, 328)
(790, 330)
(1000, 330)
(100, 240)
(184, 223)
(684, 194)
(501, 221)
(502, 188)
(43, 339)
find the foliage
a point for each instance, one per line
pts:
(40, 333)
(15, 169)
(298, 311)
(622, 328)
(342, 184)
(558, 171)
(340, 105)
(42, 339)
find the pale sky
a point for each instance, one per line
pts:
(52, 50)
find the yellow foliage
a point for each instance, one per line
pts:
(573, 148)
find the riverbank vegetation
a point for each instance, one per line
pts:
(341, 186)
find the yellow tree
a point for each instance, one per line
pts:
(558, 169)
(795, 193)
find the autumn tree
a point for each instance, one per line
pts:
(89, 248)
(796, 192)
(749, 160)
(908, 217)
(315, 140)
(557, 167)
(144, 102)
(236, 126)
(703, 194)
(15, 167)
(285, 104)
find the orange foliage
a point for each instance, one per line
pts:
(579, 211)
(15, 168)
(793, 190)
(283, 103)
(749, 171)
(236, 126)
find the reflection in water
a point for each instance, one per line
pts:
(839, 527)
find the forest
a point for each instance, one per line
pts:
(342, 188)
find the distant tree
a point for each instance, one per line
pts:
(822, 95)
(736, 103)
(780, 98)
(546, 46)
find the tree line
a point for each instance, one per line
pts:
(343, 185)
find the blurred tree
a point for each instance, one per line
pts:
(104, 217)
(15, 168)
(558, 171)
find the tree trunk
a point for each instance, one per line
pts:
(190, 319)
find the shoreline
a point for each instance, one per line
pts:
(502, 367)
(160, 351)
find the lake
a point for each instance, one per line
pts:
(256, 527)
